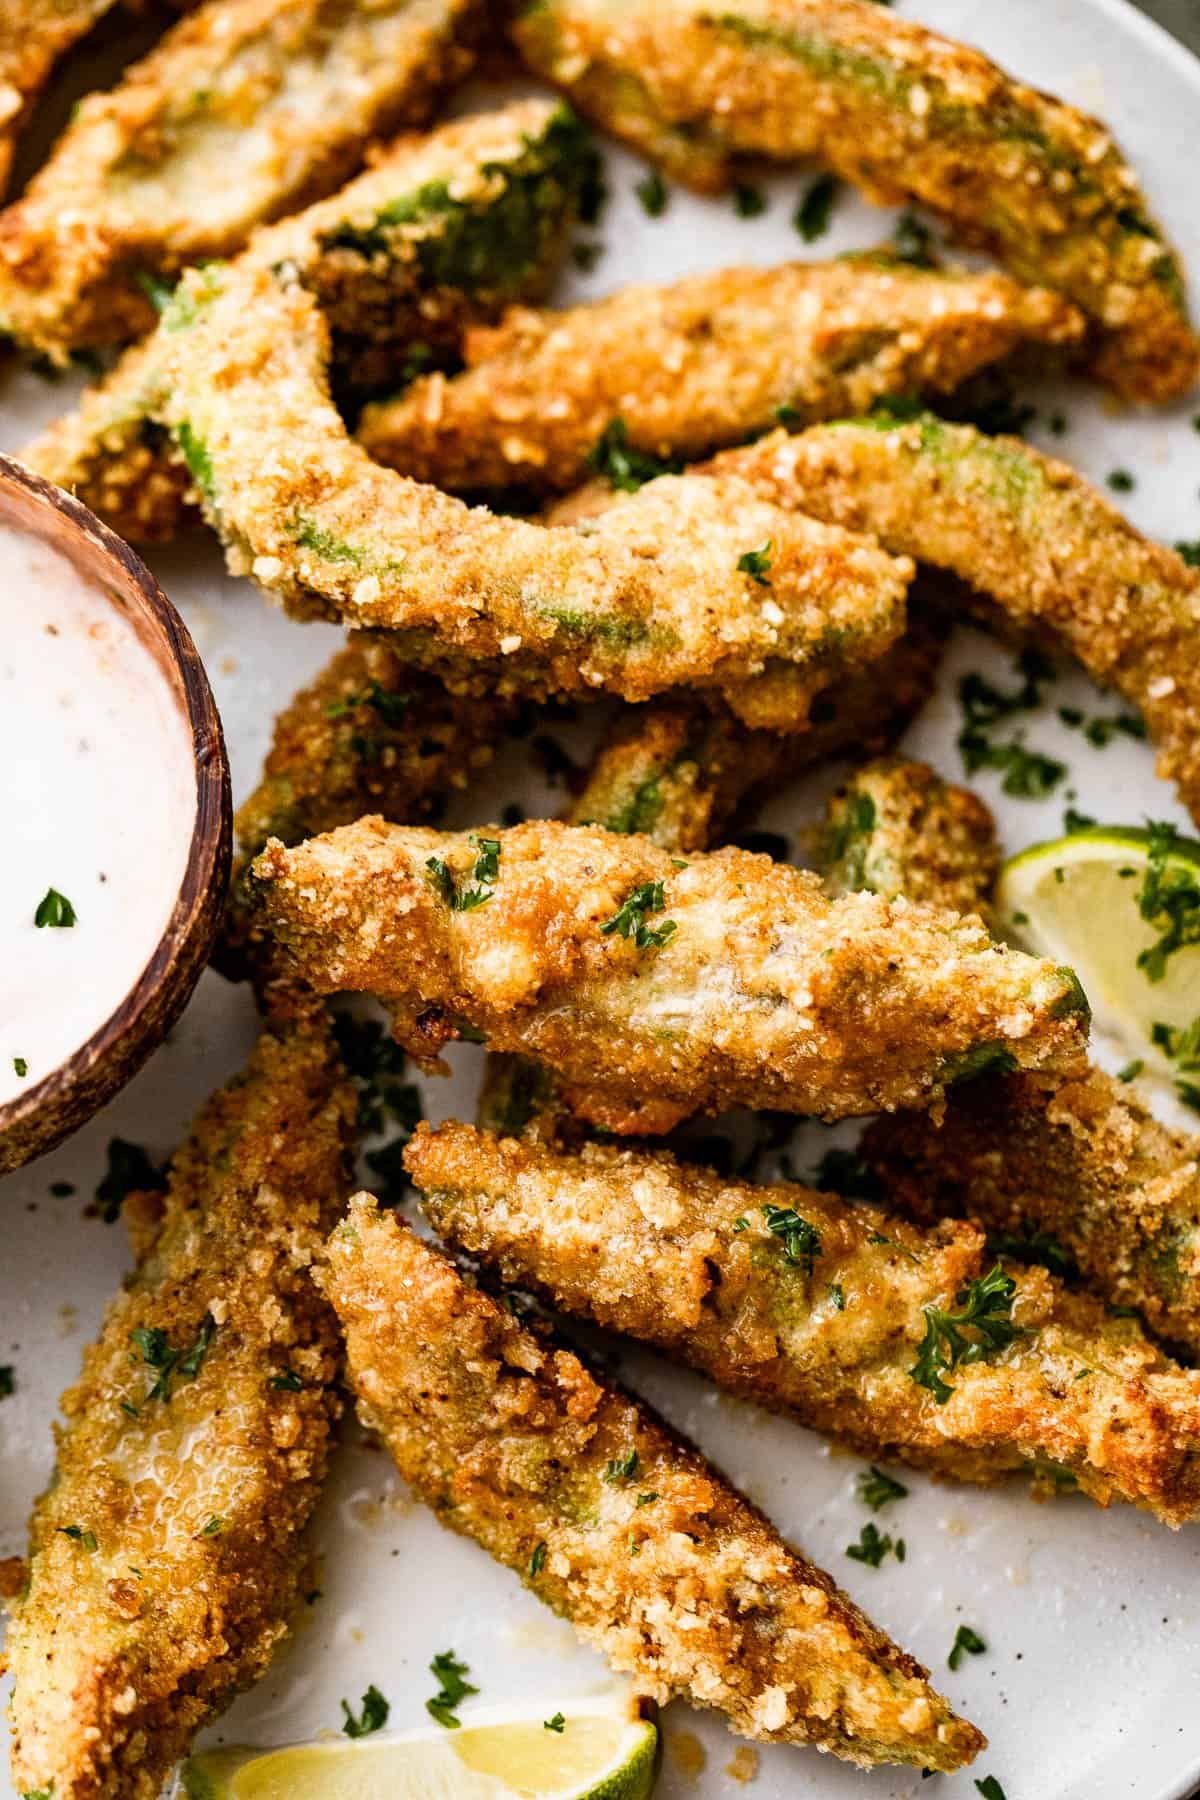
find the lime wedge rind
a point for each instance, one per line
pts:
(604, 1751)
(1075, 898)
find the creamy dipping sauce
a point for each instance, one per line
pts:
(98, 791)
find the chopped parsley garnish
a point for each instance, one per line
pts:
(756, 564)
(1031, 1246)
(85, 1539)
(653, 194)
(873, 1545)
(986, 1311)
(54, 909)
(1058, 424)
(213, 1527)
(1182, 1045)
(1169, 900)
(1190, 551)
(557, 1723)
(1076, 821)
(392, 708)
(485, 873)
(876, 1488)
(1028, 774)
(455, 1688)
(1121, 481)
(647, 1499)
(373, 1714)
(129, 1171)
(61, 1189)
(748, 202)
(168, 1364)
(801, 1240)
(912, 242)
(629, 920)
(289, 1382)
(811, 218)
(837, 1294)
(621, 1469)
(7, 1381)
(990, 1788)
(622, 466)
(1132, 1070)
(20, 1066)
(966, 1643)
(537, 1560)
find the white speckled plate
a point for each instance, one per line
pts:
(1092, 1621)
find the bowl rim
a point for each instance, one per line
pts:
(183, 946)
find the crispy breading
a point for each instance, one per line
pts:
(514, 1442)
(906, 115)
(816, 1305)
(729, 981)
(246, 110)
(1027, 533)
(652, 595)
(678, 773)
(368, 735)
(700, 363)
(166, 1552)
(33, 35)
(1075, 1171)
(440, 231)
(896, 828)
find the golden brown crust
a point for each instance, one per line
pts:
(143, 173)
(143, 1617)
(687, 1261)
(368, 735)
(33, 35)
(907, 116)
(764, 994)
(511, 1439)
(1078, 1162)
(1026, 532)
(700, 363)
(392, 260)
(896, 828)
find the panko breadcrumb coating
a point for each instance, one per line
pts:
(1025, 532)
(242, 112)
(897, 829)
(440, 231)
(657, 990)
(33, 35)
(818, 1306)
(515, 1443)
(906, 115)
(368, 735)
(701, 363)
(655, 593)
(166, 1552)
(1070, 1172)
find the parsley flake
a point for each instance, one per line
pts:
(622, 465)
(454, 1689)
(653, 193)
(167, 1364)
(54, 909)
(986, 1305)
(1169, 900)
(756, 563)
(20, 1066)
(8, 1383)
(622, 1469)
(372, 1715)
(873, 1545)
(990, 1788)
(811, 218)
(85, 1539)
(748, 202)
(966, 1643)
(557, 1723)
(801, 1239)
(537, 1561)
(876, 1488)
(629, 920)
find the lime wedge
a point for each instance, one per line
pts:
(601, 1752)
(1076, 899)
